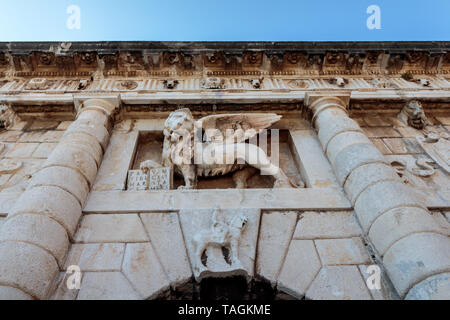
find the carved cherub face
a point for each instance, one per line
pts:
(178, 124)
(414, 115)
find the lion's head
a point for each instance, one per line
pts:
(413, 115)
(178, 137)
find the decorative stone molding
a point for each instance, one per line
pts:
(39, 84)
(213, 83)
(230, 59)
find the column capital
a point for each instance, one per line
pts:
(319, 101)
(108, 104)
(315, 99)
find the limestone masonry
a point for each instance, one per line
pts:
(335, 183)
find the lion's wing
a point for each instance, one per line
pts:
(236, 128)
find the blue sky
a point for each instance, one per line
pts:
(226, 20)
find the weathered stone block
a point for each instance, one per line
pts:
(86, 126)
(143, 269)
(96, 257)
(342, 251)
(354, 156)
(75, 158)
(86, 143)
(106, 286)
(301, 266)
(366, 175)
(111, 228)
(112, 174)
(413, 259)
(433, 288)
(160, 179)
(381, 197)
(65, 178)
(338, 283)
(318, 225)
(39, 230)
(44, 150)
(50, 201)
(10, 293)
(166, 236)
(274, 238)
(381, 132)
(22, 150)
(314, 166)
(344, 140)
(137, 180)
(27, 267)
(398, 223)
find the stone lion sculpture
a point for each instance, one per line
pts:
(215, 145)
(413, 115)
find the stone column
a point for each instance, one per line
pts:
(413, 247)
(35, 238)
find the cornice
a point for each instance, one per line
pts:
(187, 59)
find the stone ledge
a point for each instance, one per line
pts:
(147, 201)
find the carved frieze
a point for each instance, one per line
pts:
(297, 84)
(287, 61)
(127, 85)
(130, 61)
(214, 60)
(380, 83)
(39, 84)
(213, 83)
(173, 59)
(252, 59)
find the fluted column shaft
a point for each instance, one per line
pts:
(413, 247)
(35, 238)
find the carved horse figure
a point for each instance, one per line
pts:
(221, 235)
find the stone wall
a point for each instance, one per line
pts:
(312, 254)
(370, 171)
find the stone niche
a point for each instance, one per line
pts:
(150, 145)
